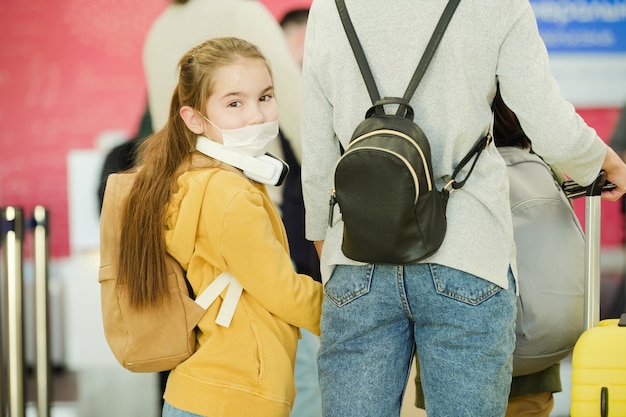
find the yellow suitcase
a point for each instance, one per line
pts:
(599, 357)
(599, 371)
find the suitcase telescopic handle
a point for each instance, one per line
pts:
(592, 194)
(592, 250)
(574, 190)
(596, 187)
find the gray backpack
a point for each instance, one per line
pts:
(550, 260)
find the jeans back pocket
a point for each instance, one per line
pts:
(347, 283)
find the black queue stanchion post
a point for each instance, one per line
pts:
(12, 364)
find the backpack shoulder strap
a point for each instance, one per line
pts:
(366, 72)
(359, 54)
(431, 47)
(480, 145)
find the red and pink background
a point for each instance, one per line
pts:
(70, 70)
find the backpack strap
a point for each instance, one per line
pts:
(366, 72)
(359, 54)
(431, 47)
(229, 303)
(476, 150)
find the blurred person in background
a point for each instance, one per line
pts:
(122, 157)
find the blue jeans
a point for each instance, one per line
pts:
(308, 398)
(170, 411)
(373, 317)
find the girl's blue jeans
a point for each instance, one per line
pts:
(374, 316)
(170, 411)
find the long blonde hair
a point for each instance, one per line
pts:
(161, 159)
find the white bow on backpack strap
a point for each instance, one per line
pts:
(210, 294)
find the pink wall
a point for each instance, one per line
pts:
(71, 69)
(604, 120)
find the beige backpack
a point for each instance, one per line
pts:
(153, 339)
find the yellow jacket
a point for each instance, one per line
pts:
(219, 221)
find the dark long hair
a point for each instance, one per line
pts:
(507, 130)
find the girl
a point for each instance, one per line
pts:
(213, 219)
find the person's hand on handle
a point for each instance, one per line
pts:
(615, 169)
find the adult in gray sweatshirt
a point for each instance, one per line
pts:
(457, 306)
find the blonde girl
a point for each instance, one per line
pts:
(213, 220)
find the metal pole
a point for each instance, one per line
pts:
(592, 261)
(42, 353)
(4, 335)
(592, 246)
(14, 220)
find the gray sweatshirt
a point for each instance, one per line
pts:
(487, 42)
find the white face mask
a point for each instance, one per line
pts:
(253, 140)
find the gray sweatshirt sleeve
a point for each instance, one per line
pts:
(558, 133)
